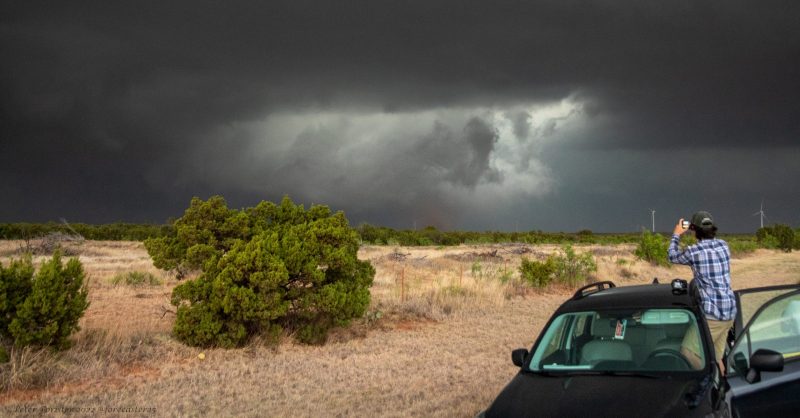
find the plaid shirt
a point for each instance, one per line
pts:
(710, 260)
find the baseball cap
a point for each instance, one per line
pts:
(703, 220)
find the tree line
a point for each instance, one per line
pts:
(104, 232)
(775, 236)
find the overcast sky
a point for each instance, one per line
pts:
(552, 115)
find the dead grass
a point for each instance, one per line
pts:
(435, 342)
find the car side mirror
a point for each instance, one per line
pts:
(740, 363)
(763, 360)
(518, 356)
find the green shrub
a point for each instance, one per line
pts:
(766, 238)
(739, 247)
(168, 253)
(572, 269)
(136, 278)
(477, 270)
(505, 276)
(206, 230)
(796, 245)
(770, 242)
(568, 268)
(44, 309)
(15, 286)
(785, 236)
(537, 273)
(653, 248)
(265, 269)
(777, 236)
(762, 233)
(454, 291)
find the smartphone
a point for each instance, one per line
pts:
(685, 224)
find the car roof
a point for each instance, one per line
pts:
(626, 297)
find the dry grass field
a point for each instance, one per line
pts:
(435, 342)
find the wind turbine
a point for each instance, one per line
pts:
(653, 216)
(761, 212)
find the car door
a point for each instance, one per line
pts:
(748, 301)
(763, 365)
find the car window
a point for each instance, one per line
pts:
(554, 336)
(629, 340)
(776, 327)
(750, 302)
(579, 329)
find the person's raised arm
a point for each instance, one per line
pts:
(674, 253)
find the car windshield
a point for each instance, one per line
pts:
(645, 340)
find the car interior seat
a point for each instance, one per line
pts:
(674, 337)
(604, 347)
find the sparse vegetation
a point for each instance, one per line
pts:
(369, 235)
(538, 274)
(379, 235)
(95, 354)
(573, 269)
(777, 236)
(741, 248)
(49, 244)
(115, 360)
(568, 268)
(626, 273)
(652, 248)
(505, 276)
(477, 270)
(136, 278)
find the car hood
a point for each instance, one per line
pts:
(530, 395)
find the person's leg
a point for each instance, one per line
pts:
(690, 348)
(719, 333)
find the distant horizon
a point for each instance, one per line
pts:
(356, 225)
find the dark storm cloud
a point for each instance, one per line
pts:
(355, 161)
(464, 158)
(123, 111)
(522, 124)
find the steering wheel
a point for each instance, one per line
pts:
(669, 352)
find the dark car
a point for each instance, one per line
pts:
(645, 351)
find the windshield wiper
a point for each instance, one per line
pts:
(634, 374)
(627, 373)
(544, 373)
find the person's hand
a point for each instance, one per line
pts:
(679, 229)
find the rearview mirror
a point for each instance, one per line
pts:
(763, 360)
(664, 317)
(518, 356)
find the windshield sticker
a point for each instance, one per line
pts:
(619, 332)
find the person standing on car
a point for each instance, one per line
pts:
(710, 260)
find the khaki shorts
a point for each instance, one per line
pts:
(719, 333)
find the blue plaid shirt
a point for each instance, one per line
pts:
(710, 260)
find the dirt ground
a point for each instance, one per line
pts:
(435, 342)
